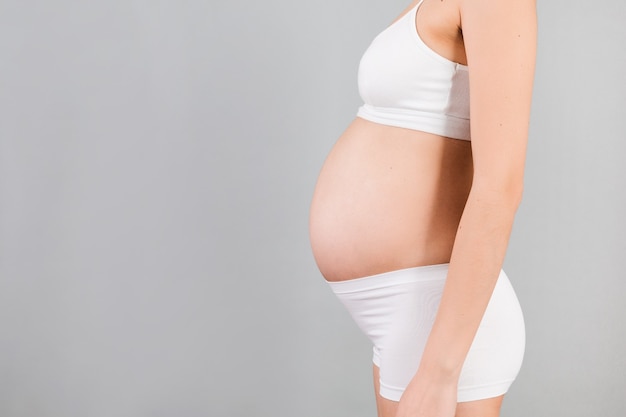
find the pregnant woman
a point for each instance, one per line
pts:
(414, 206)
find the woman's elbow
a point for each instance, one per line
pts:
(516, 194)
(507, 192)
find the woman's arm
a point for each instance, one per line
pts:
(500, 43)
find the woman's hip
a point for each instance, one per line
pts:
(396, 311)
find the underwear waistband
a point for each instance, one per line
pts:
(391, 278)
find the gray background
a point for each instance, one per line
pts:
(157, 160)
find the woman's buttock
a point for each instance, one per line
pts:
(388, 198)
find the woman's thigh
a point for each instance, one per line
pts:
(489, 407)
(385, 407)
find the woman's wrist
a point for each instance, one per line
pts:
(439, 372)
(430, 381)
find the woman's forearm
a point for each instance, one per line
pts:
(477, 258)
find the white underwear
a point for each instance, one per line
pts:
(396, 311)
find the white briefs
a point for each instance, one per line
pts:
(396, 311)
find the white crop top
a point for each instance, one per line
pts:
(405, 83)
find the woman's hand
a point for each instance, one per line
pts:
(425, 397)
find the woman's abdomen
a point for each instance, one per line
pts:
(388, 198)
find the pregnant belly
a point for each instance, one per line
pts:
(388, 198)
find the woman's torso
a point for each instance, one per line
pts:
(388, 197)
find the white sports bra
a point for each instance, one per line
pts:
(404, 83)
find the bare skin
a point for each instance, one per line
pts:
(389, 198)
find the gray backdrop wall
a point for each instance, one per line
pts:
(157, 160)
